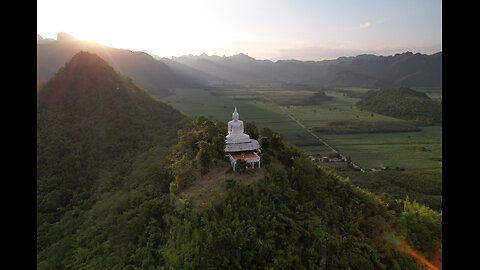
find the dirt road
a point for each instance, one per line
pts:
(321, 140)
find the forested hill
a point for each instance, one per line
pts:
(403, 103)
(295, 215)
(90, 116)
(92, 125)
(152, 75)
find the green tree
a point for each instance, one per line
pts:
(251, 130)
(241, 166)
(204, 158)
(184, 172)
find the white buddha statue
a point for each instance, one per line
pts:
(235, 130)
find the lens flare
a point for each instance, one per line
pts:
(406, 248)
(403, 246)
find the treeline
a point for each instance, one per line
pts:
(423, 186)
(317, 98)
(356, 127)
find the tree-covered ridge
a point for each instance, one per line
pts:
(298, 216)
(304, 218)
(90, 104)
(92, 126)
(404, 103)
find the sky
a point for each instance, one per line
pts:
(263, 29)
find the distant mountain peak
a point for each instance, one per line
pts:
(63, 36)
(242, 56)
(41, 40)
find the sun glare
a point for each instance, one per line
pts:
(257, 28)
(168, 28)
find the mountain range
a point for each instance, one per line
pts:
(157, 75)
(371, 71)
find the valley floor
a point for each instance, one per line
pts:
(409, 150)
(405, 155)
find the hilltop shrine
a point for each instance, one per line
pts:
(238, 145)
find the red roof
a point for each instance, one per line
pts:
(243, 156)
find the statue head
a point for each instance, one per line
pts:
(235, 114)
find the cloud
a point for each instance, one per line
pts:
(365, 25)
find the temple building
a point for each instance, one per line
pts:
(238, 145)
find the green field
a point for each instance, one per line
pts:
(196, 102)
(411, 162)
(409, 150)
(340, 108)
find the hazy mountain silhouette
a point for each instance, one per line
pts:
(152, 75)
(41, 40)
(406, 69)
(157, 75)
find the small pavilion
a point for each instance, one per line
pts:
(238, 145)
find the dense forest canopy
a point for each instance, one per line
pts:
(404, 103)
(297, 216)
(112, 164)
(92, 123)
